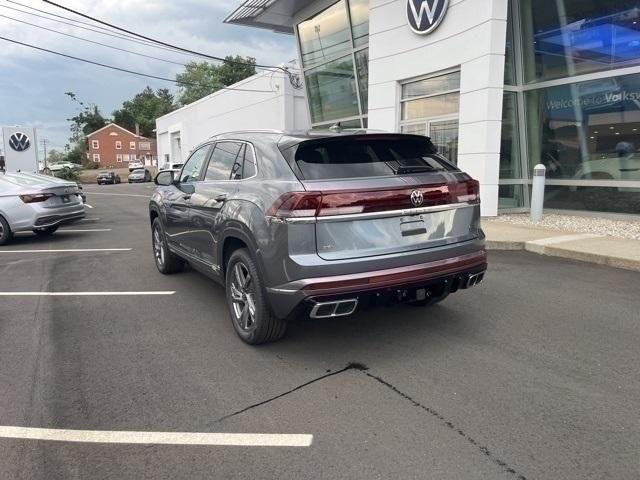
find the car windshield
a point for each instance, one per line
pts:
(365, 156)
(138, 172)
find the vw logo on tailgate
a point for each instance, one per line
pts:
(417, 198)
(424, 16)
(19, 142)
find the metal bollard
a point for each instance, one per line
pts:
(537, 192)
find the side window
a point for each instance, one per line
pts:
(193, 167)
(249, 169)
(222, 160)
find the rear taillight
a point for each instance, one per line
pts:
(296, 204)
(464, 192)
(36, 197)
(323, 204)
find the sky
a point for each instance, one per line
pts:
(33, 83)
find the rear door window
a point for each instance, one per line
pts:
(223, 160)
(365, 156)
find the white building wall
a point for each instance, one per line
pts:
(472, 37)
(275, 105)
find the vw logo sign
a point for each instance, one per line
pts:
(19, 142)
(417, 198)
(424, 16)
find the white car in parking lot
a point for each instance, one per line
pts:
(135, 166)
(37, 203)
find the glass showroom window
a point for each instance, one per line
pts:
(589, 131)
(430, 107)
(571, 37)
(511, 194)
(334, 50)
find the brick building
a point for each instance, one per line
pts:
(114, 147)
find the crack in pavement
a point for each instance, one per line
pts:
(364, 369)
(502, 464)
(351, 366)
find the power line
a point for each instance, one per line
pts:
(92, 41)
(59, 16)
(133, 72)
(150, 39)
(294, 79)
(112, 34)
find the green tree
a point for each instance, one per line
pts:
(200, 79)
(144, 109)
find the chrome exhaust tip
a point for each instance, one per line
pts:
(474, 279)
(338, 308)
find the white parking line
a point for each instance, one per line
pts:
(87, 205)
(159, 438)
(83, 294)
(70, 250)
(75, 230)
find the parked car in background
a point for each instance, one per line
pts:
(56, 167)
(38, 203)
(139, 176)
(106, 177)
(135, 165)
(319, 224)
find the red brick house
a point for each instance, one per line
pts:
(114, 147)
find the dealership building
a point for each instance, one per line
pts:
(499, 86)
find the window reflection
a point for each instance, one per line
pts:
(331, 90)
(359, 11)
(325, 35)
(587, 130)
(570, 37)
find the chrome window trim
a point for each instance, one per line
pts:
(373, 215)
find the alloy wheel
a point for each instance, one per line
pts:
(243, 297)
(158, 247)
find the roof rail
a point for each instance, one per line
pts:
(254, 130)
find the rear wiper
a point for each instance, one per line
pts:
(414, 169)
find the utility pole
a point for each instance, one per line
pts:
(44, 145)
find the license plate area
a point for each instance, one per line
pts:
(65, 199)
(413, 225)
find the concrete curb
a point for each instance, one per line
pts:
(571, 254)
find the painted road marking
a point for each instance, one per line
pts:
(74, 230)
(83, 294)
(159, 438)
(87, 205)
(70, 250)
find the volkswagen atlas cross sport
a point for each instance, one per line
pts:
(318, 224)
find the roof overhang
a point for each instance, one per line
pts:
(275, 15)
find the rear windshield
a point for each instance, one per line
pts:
(365, 156)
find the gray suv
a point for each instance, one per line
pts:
(319, 224)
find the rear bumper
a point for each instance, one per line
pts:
(453, 272)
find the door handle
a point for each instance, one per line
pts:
(221, 198)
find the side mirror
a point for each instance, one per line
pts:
(164, 179)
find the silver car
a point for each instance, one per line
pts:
(319, 224)
(140, 175)
(38, 203)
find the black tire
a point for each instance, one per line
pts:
(242, 291)
(6, 235)
(45, 232)
(167, 262)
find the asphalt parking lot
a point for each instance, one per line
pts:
(532, 375)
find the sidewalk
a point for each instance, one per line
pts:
(587, 247)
